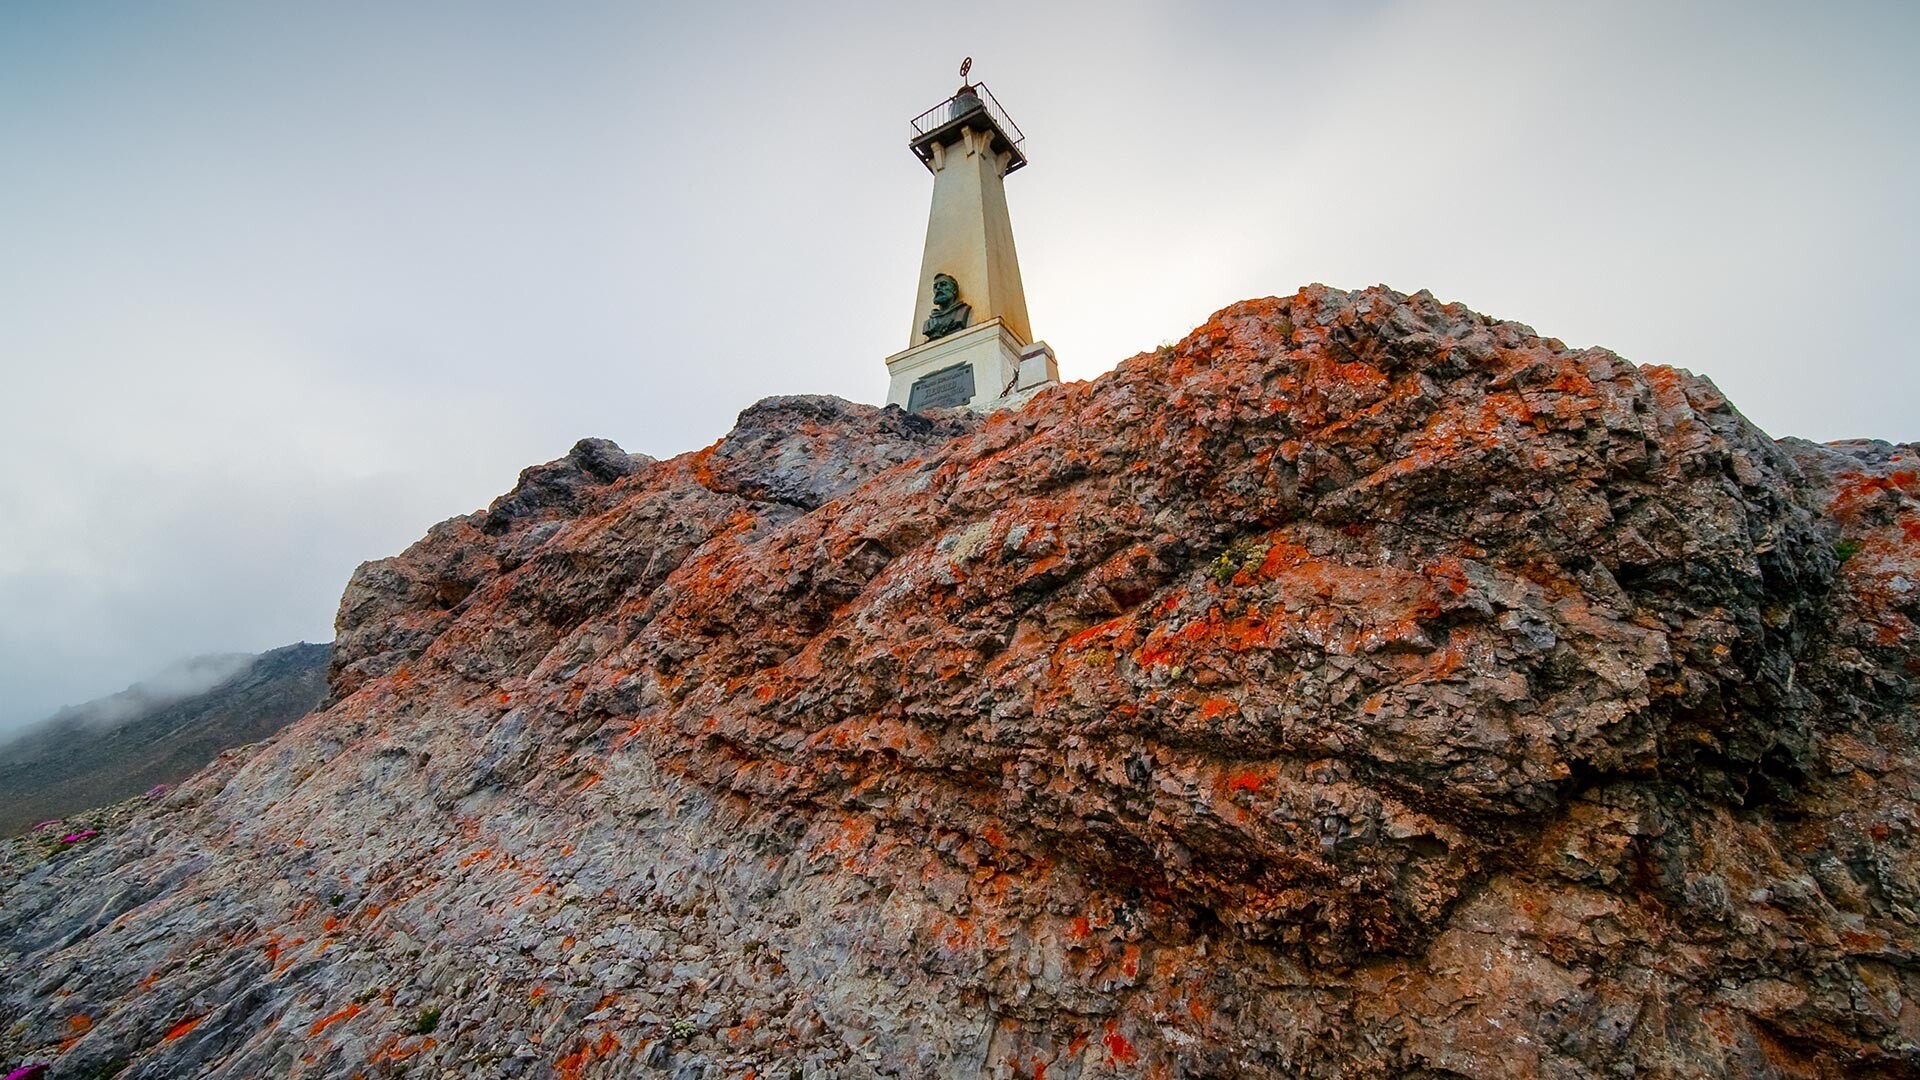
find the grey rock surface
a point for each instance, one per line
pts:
(1362, 687)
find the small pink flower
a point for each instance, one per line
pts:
(28, 1072)
(46, 824)
(74, 838)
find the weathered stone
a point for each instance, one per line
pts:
(1361, 687)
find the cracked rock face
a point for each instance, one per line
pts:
(1362, 687)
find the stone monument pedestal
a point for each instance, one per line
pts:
(982, 367)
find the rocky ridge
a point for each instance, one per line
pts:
(1361, 687)
(119, 746)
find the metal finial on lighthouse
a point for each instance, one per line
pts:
(971, 344)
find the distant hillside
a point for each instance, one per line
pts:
(154, 732)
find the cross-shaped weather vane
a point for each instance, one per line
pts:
(965, 66)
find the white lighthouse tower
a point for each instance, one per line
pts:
(971, 343)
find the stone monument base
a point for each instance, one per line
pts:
(983, 368)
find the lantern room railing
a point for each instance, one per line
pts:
(949, 114)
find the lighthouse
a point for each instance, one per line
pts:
(971, 344)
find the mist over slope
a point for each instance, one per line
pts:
(1361, 687)
(183, 679)
(157, 731)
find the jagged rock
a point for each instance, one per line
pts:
(562, 488)
(1362, 687)
(805, 450)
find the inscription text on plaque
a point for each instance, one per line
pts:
(944, 389)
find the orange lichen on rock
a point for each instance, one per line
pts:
(331, 1019)
(400, 1048)
(1120, 1050)
(1359, 687)
(1247, 781)
(569, 1065)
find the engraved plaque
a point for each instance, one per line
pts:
(942, 389)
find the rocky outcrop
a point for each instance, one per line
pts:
(394, 608)
(1361, 687)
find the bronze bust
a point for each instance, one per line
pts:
(950, 313)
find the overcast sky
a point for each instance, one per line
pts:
(282, 285)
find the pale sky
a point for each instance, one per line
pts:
(281, 285)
